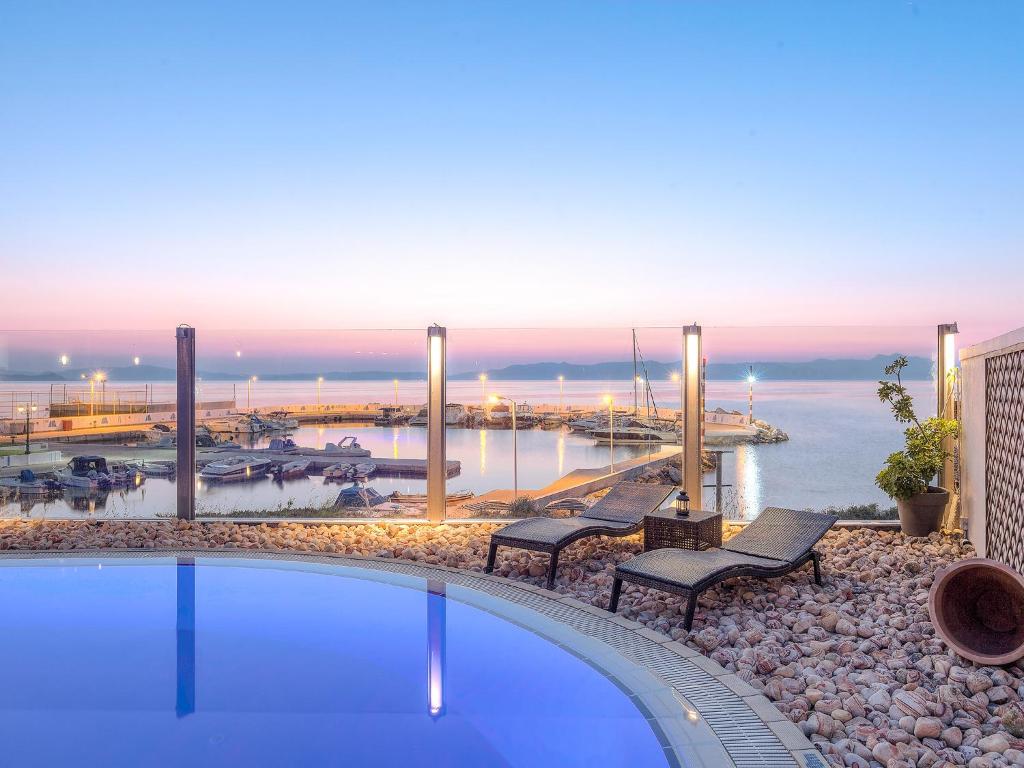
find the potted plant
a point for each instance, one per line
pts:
(907, 474)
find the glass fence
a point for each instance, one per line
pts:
(332, 423)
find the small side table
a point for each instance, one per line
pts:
(699, 530)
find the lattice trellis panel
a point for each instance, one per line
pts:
(1004, 458)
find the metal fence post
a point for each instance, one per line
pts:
(692, 427)
(186, 422)
(437, 469)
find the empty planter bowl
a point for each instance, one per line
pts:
(977, 607)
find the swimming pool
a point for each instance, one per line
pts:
(237, 661)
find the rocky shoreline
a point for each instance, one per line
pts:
(856, 663)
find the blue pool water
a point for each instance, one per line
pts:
(217, 661)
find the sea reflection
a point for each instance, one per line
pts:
(748, 481)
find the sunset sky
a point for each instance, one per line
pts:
(482, 164)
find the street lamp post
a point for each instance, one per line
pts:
(515, 447)
(248, 392)
(28, 410)
(561, 391)
(396, 392)
(483, 393)
(319, 381)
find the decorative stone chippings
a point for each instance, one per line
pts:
(855, 664)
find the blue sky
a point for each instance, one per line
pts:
(389, 164)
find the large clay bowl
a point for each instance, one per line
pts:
(977, 607)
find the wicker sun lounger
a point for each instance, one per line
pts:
(777, 542)
(619, 513)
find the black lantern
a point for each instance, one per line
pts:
(682, 504)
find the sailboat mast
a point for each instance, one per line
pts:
(635, 399)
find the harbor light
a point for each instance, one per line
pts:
(561, 391)
(28, 410)
(319, 381)
(483, 389)
(238, 353)
(64, 360)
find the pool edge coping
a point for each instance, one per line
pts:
(767, 739)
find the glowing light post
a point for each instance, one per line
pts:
(483, 392)
(750, 394)
(561, 391)
(437, 469)
(692, 432)
(28, 410)
(248, 391)
(396, 392)
(64, 360)
(515, 447)
(946, 380)
(610, 401)
(319, 381)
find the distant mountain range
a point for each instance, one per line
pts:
(870, 369)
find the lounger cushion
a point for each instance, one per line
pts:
(552, 530)
(629, 502)
(781, 534)
(685, 568)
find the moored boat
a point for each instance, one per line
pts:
(235, 469)
(292, 470)
(85, 472)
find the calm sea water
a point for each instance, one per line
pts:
(839, 435)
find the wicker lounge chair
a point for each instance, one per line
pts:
(620, 513)
(777, 542)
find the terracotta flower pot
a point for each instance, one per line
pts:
(977, 607)
(922, 514)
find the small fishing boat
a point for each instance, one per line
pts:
(85, 472)
(236, 469)
(27, 484)
(390, 416)
(125, 474)
(292, 470)
(340, 471)
(420, 419)
(363, 470)
(155, 468)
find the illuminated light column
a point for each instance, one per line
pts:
(436, 453)
(319, 381)
(561, 392)
(185, 632)
(483, 393)
(945, 386)
(396, 392)
(436, 642)
(692, 477)
(186, 422)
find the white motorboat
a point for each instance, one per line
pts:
(27, 484)
(455, 415)
(292, 469)
(420, 419)
(236, 469)
(636, 432)
(85, 472)
(348, 448)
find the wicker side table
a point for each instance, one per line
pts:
(699, 530)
